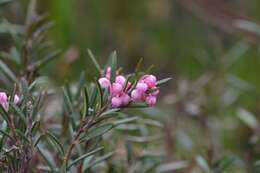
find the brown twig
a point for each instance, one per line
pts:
(12, 127)
(85, 125)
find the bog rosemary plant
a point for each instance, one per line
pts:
(28, 143)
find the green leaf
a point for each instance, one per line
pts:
(151, 122)
(97, 131)
(68, 90)
(105, 96)
(99, 160)
(100, 93)
(4, 127)
(25, 90)
(257, 163)
(92, 57)
(45, 169)
(138, 65)
(56, 142)
(108, 114)
(134, 83)
(48, 158)
(124, 121)
(203, 163)
(248, 118)
(224, 163)
(4, 114)
(43, 61)
(86, 103)
(110, 111)
(160, 82)
(40, 30)
(13, 29)
(35, 127)
(6, 134)
(80, 84)
(143, 139)
(38, 140)
(67, 100)
(247, 26)
(93, 96)
(173, 166)
(137, 105)
(31, 12)
(36, 106)
(149, 69)
(14, 52)
(236, 52)
(22, 135)
(5, 69)
(85, 156)
(126, 83)
(19, 112)
(11, 97)
(113, 65)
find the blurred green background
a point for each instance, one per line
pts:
(163, 32)
(210, 48)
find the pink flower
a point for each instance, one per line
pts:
(145, 89)
(141, 86)
(150, 100)
(116, 102)
(125, 99)
(104, 82)
(116, 89)
(4, 100)
(108, 72)
(16, 99)
(136, 95)
(150, 80)
(120, 79)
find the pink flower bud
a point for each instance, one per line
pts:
(150, 80)
(141, 86)
(125, 99)
(108, 75)
(136, 95)
(4, 100)
(16, 99)
(150, 100)
(104, 82)
(116, 102)
(116, 89)
(108, 72)
(120, 79)
(3, 97)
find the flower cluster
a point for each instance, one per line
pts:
(4, 100)
(122, 93)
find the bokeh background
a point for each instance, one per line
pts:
(209, 112)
